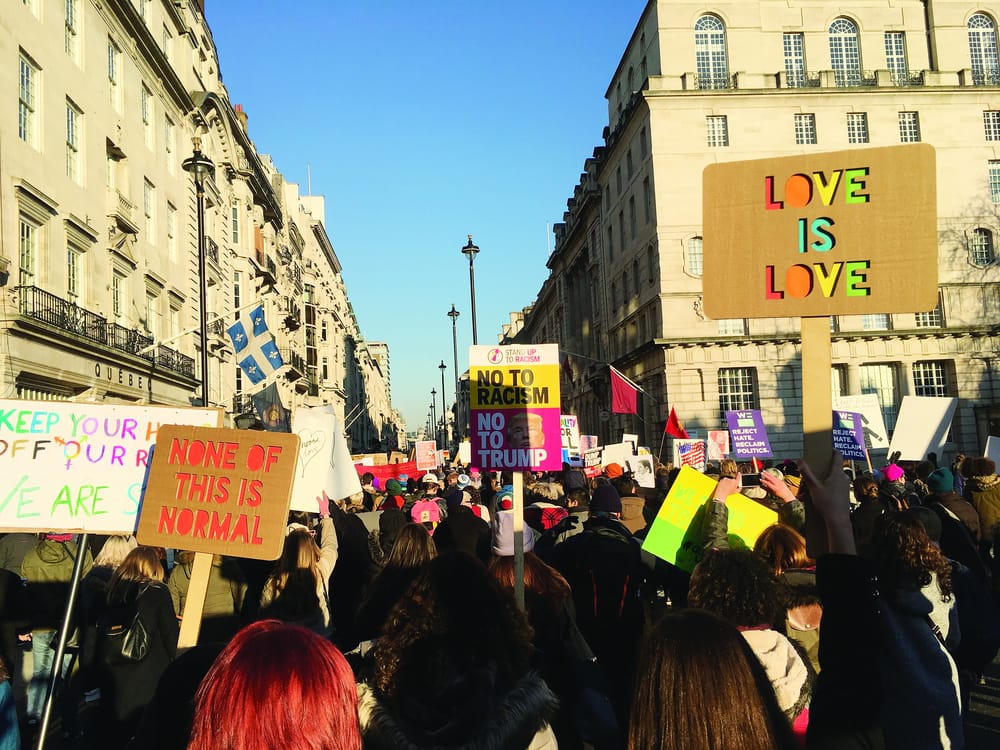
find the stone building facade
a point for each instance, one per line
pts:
(99, 263)
(704, 83)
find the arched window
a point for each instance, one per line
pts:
(845, 52)
(635, 276)
(710, 53)
(983, 50)
(981, 251)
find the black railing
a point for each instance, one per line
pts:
(907, 77)
(212, 250)
(173, 360)
(67, 316)
(295, 362)
(41, 305)
(801, 79)
(127, 340)
(854, 78)
(217, 328)
(986, 77)
(242, 403)
(715, 81)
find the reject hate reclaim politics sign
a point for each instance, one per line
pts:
(840, 233)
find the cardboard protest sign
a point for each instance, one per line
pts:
(820, 234)
(676, 533)
(643, 471)
(922, 426)
(465, 453)
(872, 423)
(993, 449)
(570, 428)
(718, 444)
(514, 407)
(633, 439)
(592, 462)
(80, 466)
(617, 453)
(748, 434)
(588, 442)
(219, 491)
(426, 455)
(324, 460)
(689, 452)
(849, 434)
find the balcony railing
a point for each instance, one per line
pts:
(243, 403)
(801, 79)
(986, 77)
(907, 77)
(67, 316)
(296, 363)
(718, 81)
(846, 79)
(41, 305)
(212, 250)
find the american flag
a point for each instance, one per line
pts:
(692, 453)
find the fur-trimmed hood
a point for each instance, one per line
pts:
(519, 721)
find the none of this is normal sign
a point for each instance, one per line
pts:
(515, 407)
(838, 233)
(221, 491)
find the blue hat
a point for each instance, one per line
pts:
(505, 497)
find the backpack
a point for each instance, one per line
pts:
(606, 582)
(426, 511)
(122, 635)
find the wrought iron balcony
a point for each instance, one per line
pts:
(41, 305)
(212, 250)
(989, 77)
(845, 79)
(719, 81)
(907, 77)
(243, 403)
(69, 317)
(801, 79)
(296, 364)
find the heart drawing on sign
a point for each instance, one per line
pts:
(312, 443)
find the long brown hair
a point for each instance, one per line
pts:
(907, 558)
(783, 548)
(413, 547)
(299, 553)
(700, 687)
(141, 565)
(538, 577)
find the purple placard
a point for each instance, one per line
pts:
(748, 434)
(849, 434)
(518, 439)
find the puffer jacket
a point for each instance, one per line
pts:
(519, 720)
(984, 494)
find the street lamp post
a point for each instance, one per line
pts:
(201, 168)
(453, 314)
(444, 407)
(472, 251)
(434, 414)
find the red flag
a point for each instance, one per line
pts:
(622, 394)
(673, 427)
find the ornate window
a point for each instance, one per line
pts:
(711, 64)
(845, 52)
(983, 50)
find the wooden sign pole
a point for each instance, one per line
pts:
(817, 415)
(519, 538)
(194, 604)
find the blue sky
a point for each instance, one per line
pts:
(422, 123)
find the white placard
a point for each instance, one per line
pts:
(642, 470)
(324, 459)
(617, 453)
(993, 449)
(80, 466)
(867, 405)
(922, 426)
(718, 444)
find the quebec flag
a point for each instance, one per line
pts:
(255, 351)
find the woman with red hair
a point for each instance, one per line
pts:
(277, 686)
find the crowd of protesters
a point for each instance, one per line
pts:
(390, 619)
